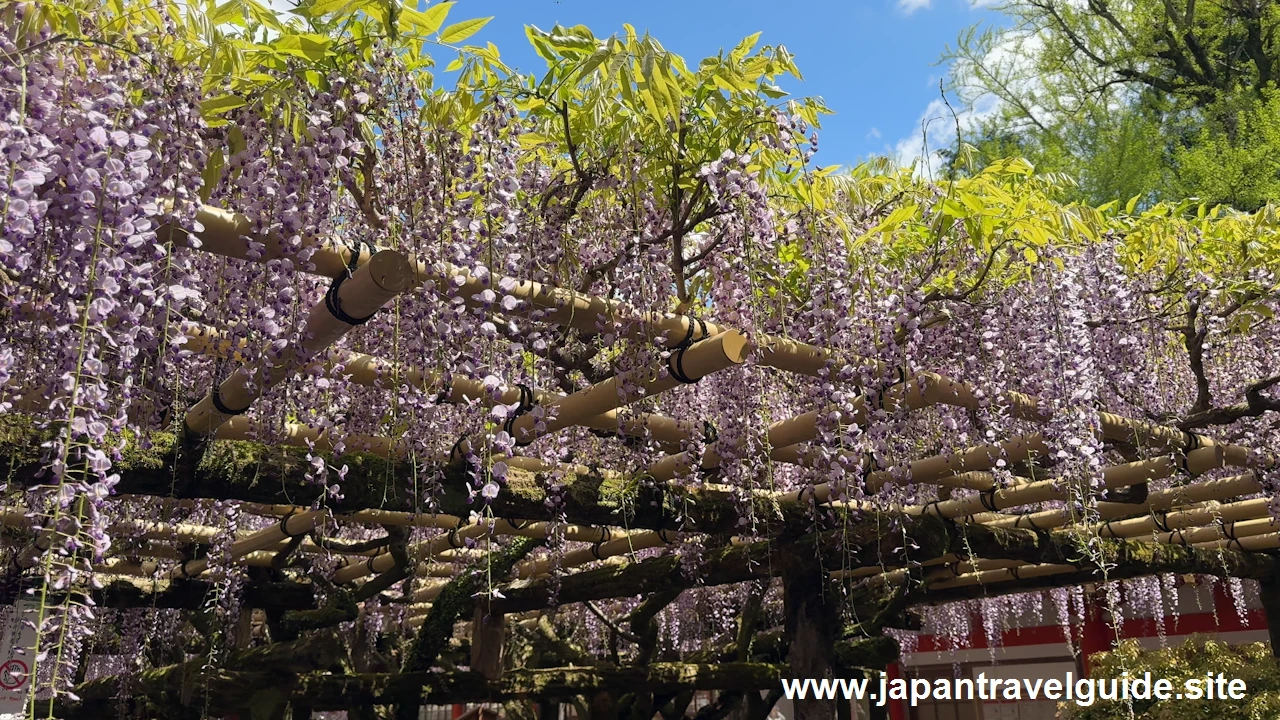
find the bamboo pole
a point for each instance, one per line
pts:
(930, 469)
(370, 371)
(927, 389)
(701, 359)
(372, 285)
(1158, 501)
(1181, 519)
(1221, 489)
(431, 548)
(1251, 543)
(1114, 477)
(1228, 531)
(290, 526)
(1255, 535)
(1021, 572)
(625, 545)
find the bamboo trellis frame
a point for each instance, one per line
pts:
(1172, 516)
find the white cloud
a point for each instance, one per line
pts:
(910, 6)
(873, 134)
(937, 131)
(1012, 59)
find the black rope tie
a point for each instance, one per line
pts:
(877, 398)
(368, 565)
(1182, 538)
(1107, 527)
(1161, 521)
(215, 396)
(332, 302)
(519, 524)
(523, 406)
(709, 432)
(454, 542)
(605, 535)
(455, 452)
(935, 506)
(662, 535)
(446, 389)
(1227, 529)
(1013, 571)
(1031, 522)
(988, 500)
(595, 551)
(1192, 441)
(284, 527)
(675, 363)
(813, 493)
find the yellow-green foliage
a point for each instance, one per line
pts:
(1195, 658)
(997, 225)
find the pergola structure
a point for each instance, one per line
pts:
(472, 586)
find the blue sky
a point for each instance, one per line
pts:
(873, 61)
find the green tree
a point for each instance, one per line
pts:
(1194, 659)
(1150, 98)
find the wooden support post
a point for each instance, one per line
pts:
(243, 631)
(548, 710)
(487, 634)
(812, 626)
(1271, 605)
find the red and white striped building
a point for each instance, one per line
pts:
(1038, 648)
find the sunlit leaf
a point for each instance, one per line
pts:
(222, 104)
(460, 31)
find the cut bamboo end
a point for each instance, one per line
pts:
(699, 360)
(289, 527)
(368, 289)
(372, 285)
(228, 234)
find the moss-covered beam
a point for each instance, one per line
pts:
(770, 646)
(451, 605)
(194, 594)
(456, 599)
(234, 690)
(341, 608)
(335, 692)
(255, 472)
(1134, 558)
(232, 685)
